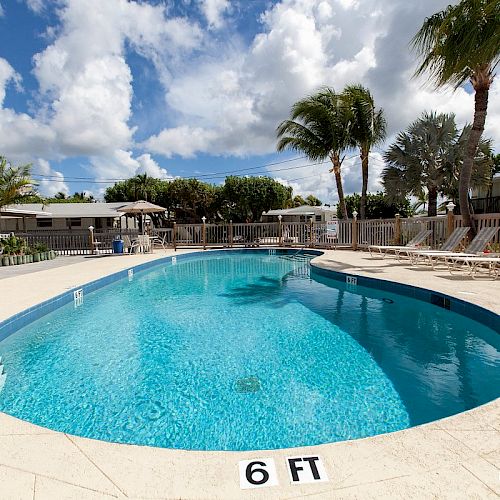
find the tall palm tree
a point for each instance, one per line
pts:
(15, 183)
(460, 43)
(319, 128)
(426, 158)
(368, 129)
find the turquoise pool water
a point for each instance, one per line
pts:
(240, 351)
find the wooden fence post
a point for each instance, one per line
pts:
(397, 230)
(355, 230)
(280, 230)
(231, 233)
(174, 236)
(311, 232)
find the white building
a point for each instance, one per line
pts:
(301, 214)
(35, 216)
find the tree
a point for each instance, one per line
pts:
(313, 201)
(15, 183)
(367, 129)
(298, 201)
(460, 43)
(427, 157)
(379, 206)
(245, 198)
(319, 128)
(143, 186)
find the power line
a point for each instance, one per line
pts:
(210, 175)
(91, 180)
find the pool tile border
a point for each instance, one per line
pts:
(459, 306)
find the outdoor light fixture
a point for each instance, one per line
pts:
(280, 217)
(450, 206)
(355, 214)
(203, 219)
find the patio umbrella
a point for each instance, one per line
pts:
(141, 207)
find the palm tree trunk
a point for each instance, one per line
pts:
(433, 195)
(364, 189)
(338, 179)
(481, 81)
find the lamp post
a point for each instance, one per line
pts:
(91, 237)
(204, 232)
(355, 230)
(450, 218)
(280, 230)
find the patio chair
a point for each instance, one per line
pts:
(450, 245)
(141, 244)
(159, 240)
(475, 247)
(474, 263)
(412, 244)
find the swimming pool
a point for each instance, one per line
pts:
(235, 351)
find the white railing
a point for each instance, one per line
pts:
(295, 234)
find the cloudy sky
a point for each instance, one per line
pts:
(94, 90)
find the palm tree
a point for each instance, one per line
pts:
(460, 43)
(15, 183)
(143, 186)
(368, 129)
(319, 128)
(427, 156)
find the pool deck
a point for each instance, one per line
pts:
(457, 457)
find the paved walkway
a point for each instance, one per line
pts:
(35, 267)
(457, 457)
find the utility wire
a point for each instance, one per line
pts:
(215, 175)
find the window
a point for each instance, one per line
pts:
(44, 222)
(75, 222)
(318, 218)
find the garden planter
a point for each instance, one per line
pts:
(52, 254)
(5, 261)
(23, 259)
(19, 259)
(36, 257)
(12, 260)
(30, 259)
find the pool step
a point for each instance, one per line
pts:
(3, 375)
(300, 258)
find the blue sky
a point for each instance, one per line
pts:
(93, 90)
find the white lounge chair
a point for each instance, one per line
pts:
(412, 244)
(474, 263)
(450, 245)
(474, 249)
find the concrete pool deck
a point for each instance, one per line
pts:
(457, 457)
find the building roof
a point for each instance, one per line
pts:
(302, 210)
(69, 210)
(19, 213)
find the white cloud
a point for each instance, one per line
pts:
(2, 13)
(148, 165)
(84, 105)
(36, 6)
(7, 75)
(214, 11)
(50, 187)
(184, 141)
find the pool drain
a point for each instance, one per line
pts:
(388, 301)
(248, 385)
